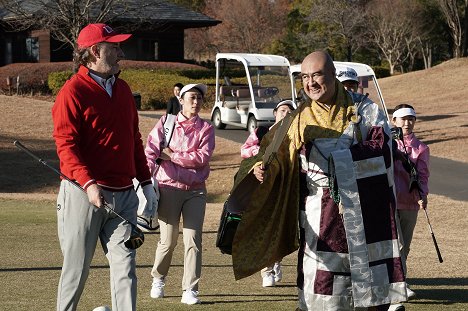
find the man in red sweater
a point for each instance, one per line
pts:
(99, 146)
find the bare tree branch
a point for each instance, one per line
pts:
(341, 22)
(393, 29)
(65, 18)
(450, 10)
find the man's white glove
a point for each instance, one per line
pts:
(147, 213)
(149, 210)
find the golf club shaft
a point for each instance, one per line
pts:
(20, 146)
(427, 216)
(433, 237)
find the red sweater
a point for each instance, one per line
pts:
(97, 137)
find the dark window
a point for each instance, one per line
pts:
(150, 50)
(32, 49)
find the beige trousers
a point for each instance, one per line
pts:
(191, 206)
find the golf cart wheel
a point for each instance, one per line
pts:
(251, 124)
(217, 120)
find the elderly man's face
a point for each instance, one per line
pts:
(318, 81)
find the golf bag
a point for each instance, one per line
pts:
(227, 229)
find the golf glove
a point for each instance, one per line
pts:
(151, 207)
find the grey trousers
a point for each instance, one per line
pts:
(79, 227)
(191, 205)
(407, 220)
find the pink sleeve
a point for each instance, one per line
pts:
(422, 165)
(201, 154)
(251, 146)
(153, 145)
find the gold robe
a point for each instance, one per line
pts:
(269, 227)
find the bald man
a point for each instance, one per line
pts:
(332, 173)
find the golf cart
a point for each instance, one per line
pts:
(367, 81)
(248, 88)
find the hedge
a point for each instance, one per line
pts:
(154, 86)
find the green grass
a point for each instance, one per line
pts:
(31, 260)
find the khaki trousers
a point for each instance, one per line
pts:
(190, 204)
(79, 227)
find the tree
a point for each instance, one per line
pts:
(290, 44)
(453, 11)
(65, 18)
(392, 29)
(195, 5)
(247, 25)
(339, 23)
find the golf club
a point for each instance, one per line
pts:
(136, 238)
(398, 134)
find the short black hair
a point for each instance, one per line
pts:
(403, 106)
(179, 85)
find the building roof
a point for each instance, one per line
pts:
(164, 11)
(149, 11)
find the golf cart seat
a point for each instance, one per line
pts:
(235, 96)
(267, 92)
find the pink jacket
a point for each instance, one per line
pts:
(419, 154)
(192, 144)
(251, 146)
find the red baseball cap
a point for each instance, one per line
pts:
(95, 33)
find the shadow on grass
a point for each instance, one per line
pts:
(26, 269)
(19, 172)
(442, 290)
(266, 298)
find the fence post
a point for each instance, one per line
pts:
(17, 85)
(8, 82)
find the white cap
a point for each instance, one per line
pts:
(347, 74)
(288, 102)
(403, 112)
(201, 87)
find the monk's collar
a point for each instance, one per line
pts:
(334, 101)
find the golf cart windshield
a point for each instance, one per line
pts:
(270, 84)
(367, 81)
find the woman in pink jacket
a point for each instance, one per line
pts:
(181, 170)
(411, 194)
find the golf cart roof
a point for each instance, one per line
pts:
(255, 59)
(361, 69)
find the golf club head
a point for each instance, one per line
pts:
(397, 133)
(136, 238)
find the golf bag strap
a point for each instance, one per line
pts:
(169, 125)
(278, 137)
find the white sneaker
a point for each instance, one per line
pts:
(190, 297)
(268, 280)
(410, 293)
(157, 288)
(396, 307)
(278, 271)
(102, 308)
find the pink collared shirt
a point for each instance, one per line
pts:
(418, 153)
(192, 145)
